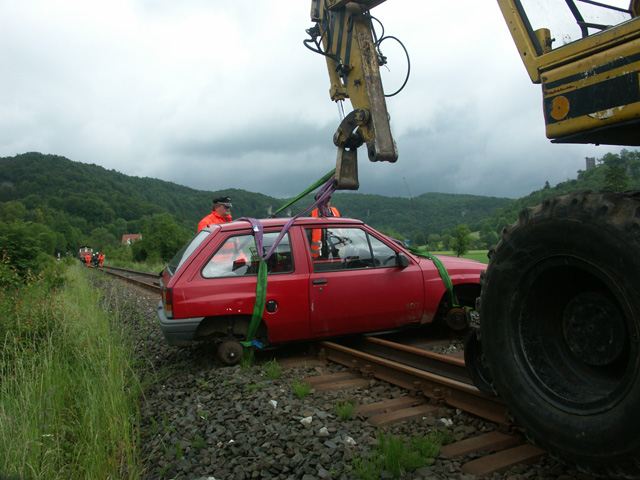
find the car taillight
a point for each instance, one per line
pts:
(167, 300)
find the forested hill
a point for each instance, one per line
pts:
(612, 172)
(91, 197)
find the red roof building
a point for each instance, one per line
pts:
(129, 238)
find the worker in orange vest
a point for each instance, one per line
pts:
(87, 259)
(220, 213)
(100, 259)
(316, 235)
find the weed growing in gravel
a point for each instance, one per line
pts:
(368, 468)
(301, 389)
(248, 359)
(198, 442)
(204, 383)
(273, 370)
(345, 409)
(255, 386)
(394, 456)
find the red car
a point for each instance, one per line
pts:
(356, 280)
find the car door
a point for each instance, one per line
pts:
(356, 285)
(223, 283)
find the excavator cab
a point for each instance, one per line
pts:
(586, 56)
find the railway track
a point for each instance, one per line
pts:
(434, 381)
(145, 280)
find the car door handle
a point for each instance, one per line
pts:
(320, 281)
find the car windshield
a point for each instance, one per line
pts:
(186, 251)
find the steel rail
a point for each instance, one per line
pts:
(438, 388)
(443, 365)
(146, 280)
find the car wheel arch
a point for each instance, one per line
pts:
(235, 326)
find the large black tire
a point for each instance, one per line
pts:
(560, 325)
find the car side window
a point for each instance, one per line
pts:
(383, 254)
(238, 256)
(340, 249)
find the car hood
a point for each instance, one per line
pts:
(457, 266)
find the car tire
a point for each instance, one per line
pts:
(560, 327)
(230, 352)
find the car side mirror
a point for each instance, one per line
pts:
(403, 260)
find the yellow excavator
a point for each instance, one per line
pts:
(559, 335)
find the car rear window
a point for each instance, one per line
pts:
(186, 251)
(238, 256)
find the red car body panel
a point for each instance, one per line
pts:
(308, 304)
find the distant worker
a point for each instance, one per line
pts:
(221, 213)
(87, 259)
(331, 211)
(100, 259)
(316, 234)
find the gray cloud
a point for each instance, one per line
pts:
(216, 95)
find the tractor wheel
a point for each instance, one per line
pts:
(230, 352)
(560, 327)
(476, 364)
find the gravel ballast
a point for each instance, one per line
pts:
(202, 420)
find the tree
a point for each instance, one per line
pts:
(488, 238)
(434, 241)
(101, 238)
(615, 178)
(461, 240)
(162, 237)
(419, 239)
(447, 238)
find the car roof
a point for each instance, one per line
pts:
(241, 224)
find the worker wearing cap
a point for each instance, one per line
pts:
(219, 214)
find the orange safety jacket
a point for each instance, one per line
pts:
(316, 234)
(213, 218)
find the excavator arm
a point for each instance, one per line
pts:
(343, 33)
(584, 53)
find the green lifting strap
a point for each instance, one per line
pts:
(446, 279)
(308, 190)
(258, 308)
(261, 286)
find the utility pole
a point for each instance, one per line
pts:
(407, 185)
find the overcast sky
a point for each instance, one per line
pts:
(213, 95)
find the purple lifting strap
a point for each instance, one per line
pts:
(322, 198)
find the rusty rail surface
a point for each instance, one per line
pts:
(146, 280)
(420, 372)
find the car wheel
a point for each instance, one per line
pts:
(560, 325)
(230, 352)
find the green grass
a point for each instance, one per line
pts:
(140, 266)
(273, 370)
(247, 360)
(345, 409)
(477, 255)
(68, 392)
(394, 456)
(301, 389)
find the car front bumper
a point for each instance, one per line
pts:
(177, 331)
